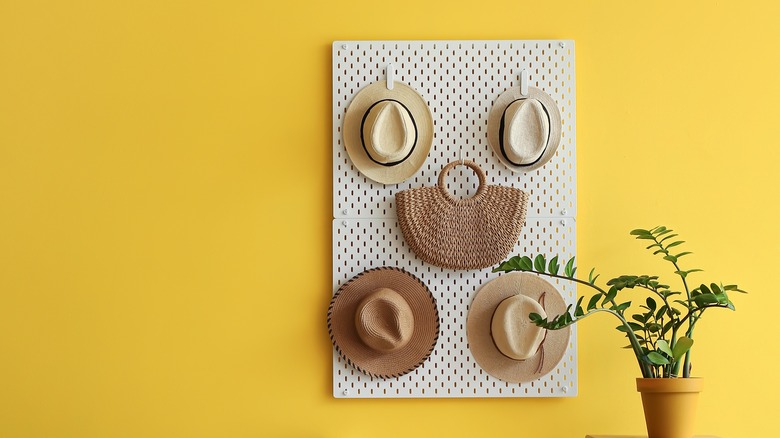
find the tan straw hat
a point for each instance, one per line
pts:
(524, 131)
(503, 340)
(388, 133)
(384, 322)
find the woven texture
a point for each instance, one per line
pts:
(344, 333)
(480, 338)
(452, 233)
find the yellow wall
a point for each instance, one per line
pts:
(165, 210)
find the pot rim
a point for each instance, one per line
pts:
(667, 384)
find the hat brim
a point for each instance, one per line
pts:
(494, 123)
(351, 130)
(480, 340)
(344, 335)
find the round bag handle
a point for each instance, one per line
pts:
(468, 163)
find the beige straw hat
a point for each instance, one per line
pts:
(388, 133)
(503, 340)
(384, 322)
(524, 131)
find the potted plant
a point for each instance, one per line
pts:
(659, 329)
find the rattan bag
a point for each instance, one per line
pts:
(472, 233)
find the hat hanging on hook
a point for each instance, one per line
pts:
(524, 127)
(388, 130)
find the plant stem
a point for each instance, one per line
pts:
(686, 372)
(687, 364)
(643, 367)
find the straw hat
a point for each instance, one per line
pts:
(524, 131)
(388, 133)
(503, 340)
(384, 322)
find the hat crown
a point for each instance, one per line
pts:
(384, 320)
(388, 132)
(526, 131)
(513, 332)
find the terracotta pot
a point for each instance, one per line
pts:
(670, 406)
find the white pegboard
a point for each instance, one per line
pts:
(451, 371)
(459, 80)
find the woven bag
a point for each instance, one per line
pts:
(453, 233)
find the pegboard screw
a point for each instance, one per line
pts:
(344, 223)
(562, 44)
(344, 212)
(344, 46)
(563, 212)
(563, 221)
(564, 389)
(345, 392)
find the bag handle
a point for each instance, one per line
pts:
(468, 163)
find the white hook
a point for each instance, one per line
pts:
(461, 155)
(524, 82)
(390, 73)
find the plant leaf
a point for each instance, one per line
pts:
(673, 244)
(635, 327)
(734, 288)
(622, 307)
(663, 346)
(539, 263)
(578, 308)
(553, 267)
(655, 358)
(593, 301)
(610, 295)
(668, 237)
(525, 264)
(568, 269)
(682, 345)
(651, 305)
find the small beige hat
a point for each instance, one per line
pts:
(524, 130)
(502, 338)
(384, 322)
(388, 133)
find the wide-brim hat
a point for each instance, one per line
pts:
(382, 304)
(480, 321)
(534, 119)
(388, 133)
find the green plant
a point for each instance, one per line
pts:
(661, 332)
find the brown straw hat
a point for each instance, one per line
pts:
(384, 322)
(524, 130)
(503, 340)
(388, 133)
